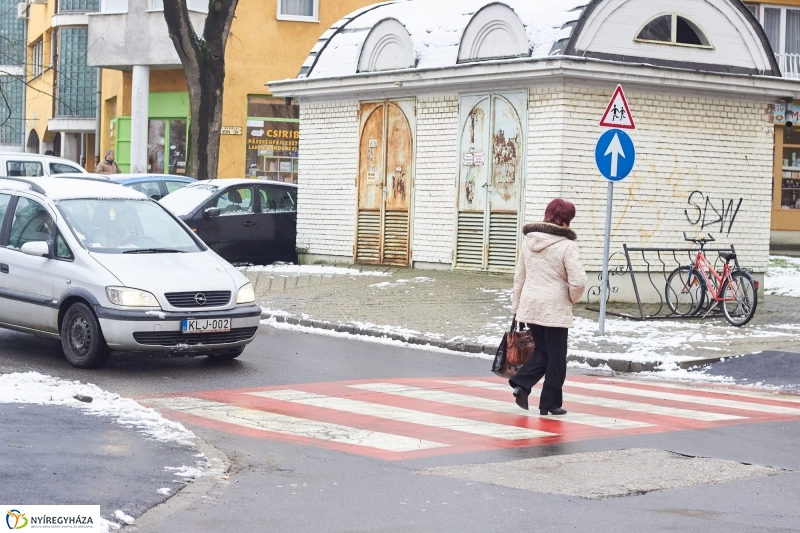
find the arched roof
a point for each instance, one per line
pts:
(424, 34)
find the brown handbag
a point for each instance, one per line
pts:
(520, 348)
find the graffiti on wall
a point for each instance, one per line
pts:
(707, 212)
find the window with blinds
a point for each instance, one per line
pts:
(298, 10)
(114, 6)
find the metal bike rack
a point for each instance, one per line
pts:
(660, 262)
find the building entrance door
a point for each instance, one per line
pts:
(384, 183)
(166, 146)
(490, 181)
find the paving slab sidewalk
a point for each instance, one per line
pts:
(469, 312)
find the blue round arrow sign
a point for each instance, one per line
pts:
(615, 155)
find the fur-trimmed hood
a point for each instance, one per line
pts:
(550, 229)
(542, 235)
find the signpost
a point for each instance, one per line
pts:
(615, 156)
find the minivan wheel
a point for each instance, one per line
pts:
(81, 338)
(226, 355)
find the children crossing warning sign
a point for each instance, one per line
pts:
(618, 114)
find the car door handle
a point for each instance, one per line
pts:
(4, 268)
(248, 223)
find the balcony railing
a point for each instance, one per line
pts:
(790, 65)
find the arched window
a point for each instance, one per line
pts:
(673, 29)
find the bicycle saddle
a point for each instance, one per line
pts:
(727, 256)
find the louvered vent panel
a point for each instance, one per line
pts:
(469, 241)
(395, 238)
(368, 243)
(502, 241)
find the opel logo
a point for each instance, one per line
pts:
(200, 299)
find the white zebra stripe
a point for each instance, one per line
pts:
(625, 405)
(290, 425)
(400, 414)
(497, 406)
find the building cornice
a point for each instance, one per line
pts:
(526, 73)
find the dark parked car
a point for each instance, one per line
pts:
(156, 186)
(243, 220)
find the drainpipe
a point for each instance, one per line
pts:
(25, 85)
(97, 119)
(83, 150)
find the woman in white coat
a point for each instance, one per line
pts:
(549, 280)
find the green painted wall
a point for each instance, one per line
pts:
(169, 105)
(123, 143)
(161, 105)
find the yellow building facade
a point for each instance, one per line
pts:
(269, 40)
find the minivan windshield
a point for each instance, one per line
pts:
(117, 226)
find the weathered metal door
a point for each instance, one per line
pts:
(384, 183)
(490, 185)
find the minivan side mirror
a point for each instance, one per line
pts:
(36, 248)
(211, 212)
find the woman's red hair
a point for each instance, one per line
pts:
(559, 212)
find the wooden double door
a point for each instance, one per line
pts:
(490, 181)
(385, 180)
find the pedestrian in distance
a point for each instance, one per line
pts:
(108, 165)
(548, 281)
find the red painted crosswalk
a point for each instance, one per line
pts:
(410, 418)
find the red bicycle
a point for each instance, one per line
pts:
(734, 290)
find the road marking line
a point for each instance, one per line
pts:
(290, 425)
(705, 400)
(400, 414)
(718, 390)
(475, 402)
(625, 405)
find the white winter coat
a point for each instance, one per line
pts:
(549, 278)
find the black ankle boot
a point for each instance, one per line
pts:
(557, 411)
(521, 396)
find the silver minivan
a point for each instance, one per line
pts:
(104, 268)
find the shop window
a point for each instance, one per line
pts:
(299, 10)
(273, 139)
(673, 29)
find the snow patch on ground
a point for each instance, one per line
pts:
(312, 270)
(783, 276)
(400, 282)
(164, 491)
(120, 515)
(36, 388)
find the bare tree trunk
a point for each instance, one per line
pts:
(203, 59)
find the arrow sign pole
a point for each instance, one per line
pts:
(615, 151)
(607, 242)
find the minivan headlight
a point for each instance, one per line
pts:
(131, 297)
(246, 294)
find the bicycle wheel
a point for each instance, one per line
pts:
(739, 298)
(685, 292)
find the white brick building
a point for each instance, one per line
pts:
(432, 131)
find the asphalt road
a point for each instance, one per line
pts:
(278, 485)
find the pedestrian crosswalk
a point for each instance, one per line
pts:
(410, 418)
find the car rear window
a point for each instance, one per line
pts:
(24, 169)
(61, 168)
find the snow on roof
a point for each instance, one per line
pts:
(436, 28)
(72, 188)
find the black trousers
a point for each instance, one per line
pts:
(549, 360)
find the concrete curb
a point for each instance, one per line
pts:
(197, 489)
(617, 365)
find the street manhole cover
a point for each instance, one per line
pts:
(611, 474)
